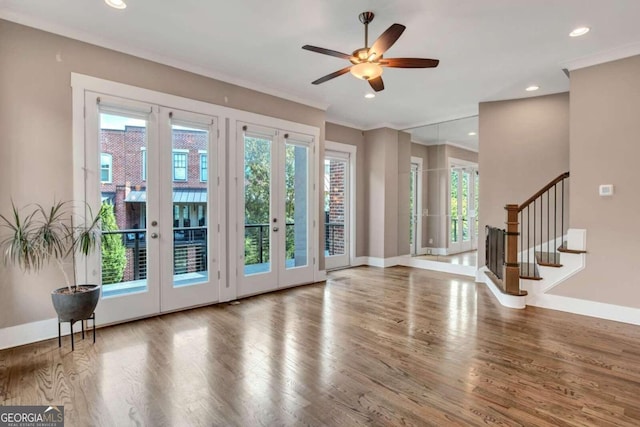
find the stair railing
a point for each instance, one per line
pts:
(537, 224)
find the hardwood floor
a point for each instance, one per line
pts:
(395, 346)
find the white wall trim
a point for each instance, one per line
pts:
(358, 261)
(435, 251)
(155, 57)
(321, 276)
(621, 52)
(383, 262)
(600, 310)
(445, 267)
(28, 333)
(511, 301)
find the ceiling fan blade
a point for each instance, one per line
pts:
(376, 84)
(409, 62)
(326, 51)
(331, 76)
(386, 40)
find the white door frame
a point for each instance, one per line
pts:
(352, 151)
(279, 276)
(228, 173)
(416, 247)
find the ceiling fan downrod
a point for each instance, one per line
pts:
(365, 18)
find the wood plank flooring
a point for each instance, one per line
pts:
(395, 346)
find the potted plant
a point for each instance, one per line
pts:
(37, 236)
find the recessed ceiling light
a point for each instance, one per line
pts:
(116, 4)
(472, 134)
(532, 88)
(370, 95)
(580, 31)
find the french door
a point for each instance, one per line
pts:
(336, 209)
(276, 201)
(152, 172)
(463, 232)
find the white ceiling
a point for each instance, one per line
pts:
(489, 49)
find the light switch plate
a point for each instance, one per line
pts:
(606, 190)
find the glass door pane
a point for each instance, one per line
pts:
(257, 204)
(123, 144)
(464, 203)
(190, 198)
(454, 212)
(296, 205)
(335, 206)
(412, 208)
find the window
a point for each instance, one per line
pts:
(106, 168)
(144, 164)
(204, 167)
(179, 166)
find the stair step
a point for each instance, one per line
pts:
(529, 271)
(548, 259)
(564, 249)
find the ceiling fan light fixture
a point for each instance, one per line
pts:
(472, 133)
(580, 31)
(532, 88)
(366, 70)
(370, 95)
(116, 4)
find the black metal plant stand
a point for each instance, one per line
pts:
(71, 322)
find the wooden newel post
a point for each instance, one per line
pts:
(512, 266)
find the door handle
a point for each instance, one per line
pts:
(154, 235)
(275, 228)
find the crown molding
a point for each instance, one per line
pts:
(84, 37)
(621, 52)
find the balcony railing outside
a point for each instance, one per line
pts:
(190, 251)
(334, 238)
(190, 247)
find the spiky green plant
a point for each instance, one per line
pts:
(42, 235)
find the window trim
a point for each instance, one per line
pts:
(184, 153)
(205, 155)
(110, 170)
(143, 154)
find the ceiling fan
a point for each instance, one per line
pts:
(367, 62)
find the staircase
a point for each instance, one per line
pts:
(538, 250)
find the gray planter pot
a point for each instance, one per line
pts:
(75, 306)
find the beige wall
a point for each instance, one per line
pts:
(524, 144)
(35, 117)
(605, 112)
(461, 154)
(382, 198)
(404, 169)
(351, 136)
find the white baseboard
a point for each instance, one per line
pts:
(321, 276)
(511, 301)
(434, 251)
(445, 267)
(383, 262)
(358, 261)
(28, 333)
(600, 310)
